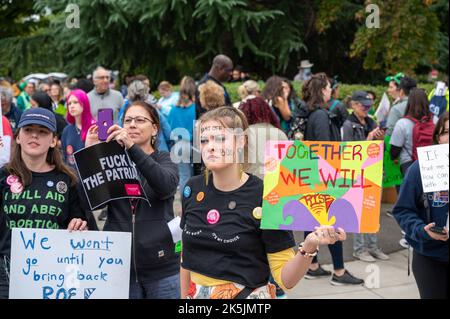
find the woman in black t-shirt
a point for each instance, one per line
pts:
(225, 253)
(36, 189)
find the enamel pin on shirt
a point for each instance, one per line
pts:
(213, 216)
(232, 205)
(200, 196)
(14, 183)
(257, 213)
(187, 192)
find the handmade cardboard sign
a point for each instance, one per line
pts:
(308, 184)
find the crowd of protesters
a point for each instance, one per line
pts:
(49, 121)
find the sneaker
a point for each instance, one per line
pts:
(364, 256)
(318, 273)
(404, 243)
(378, 254)
(346, 279)
(389, 213)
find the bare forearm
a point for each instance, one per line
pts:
(283, 106)
(285, 110)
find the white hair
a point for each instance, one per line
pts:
(7, 93)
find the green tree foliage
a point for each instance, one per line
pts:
(408, 35)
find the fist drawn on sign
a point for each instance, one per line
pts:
(319, 205)
(327, 210)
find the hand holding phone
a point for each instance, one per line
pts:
(436, 232)
(104, 122)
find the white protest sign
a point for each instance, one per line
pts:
(58, 264)
(383, 109)
(433, 162)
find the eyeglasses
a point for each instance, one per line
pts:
(106, 77)
(139, 120)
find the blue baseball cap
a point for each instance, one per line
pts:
(38, 116)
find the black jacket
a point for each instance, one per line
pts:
(153, 254)
(321, 126)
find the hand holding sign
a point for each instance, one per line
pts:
(325, 235)
(77, 224)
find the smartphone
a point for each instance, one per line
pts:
(104, 121)
(438, 230)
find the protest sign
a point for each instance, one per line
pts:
(382, 111)
(58, 264)
(433, 162)
(308, 184)
(107, 173)
(392, 174)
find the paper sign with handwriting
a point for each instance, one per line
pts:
(58, 264)
(433, 162)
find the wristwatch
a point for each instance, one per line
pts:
(305, 253)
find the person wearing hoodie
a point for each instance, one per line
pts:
(418, 214)
(154, 263)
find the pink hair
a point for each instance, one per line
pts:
(86, 116)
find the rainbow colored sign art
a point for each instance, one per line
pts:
(307, 184)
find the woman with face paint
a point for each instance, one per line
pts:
(36, 181)
(154, 261)
(225, 253)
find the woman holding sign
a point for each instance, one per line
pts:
(37, 189)
(225, 253)
(423, 217)
(154, 263)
